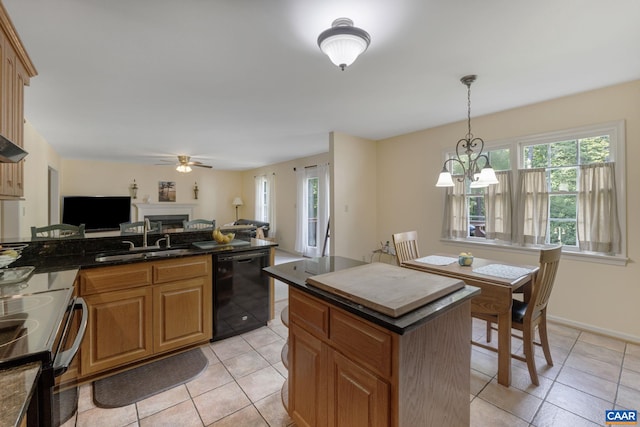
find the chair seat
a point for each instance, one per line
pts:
(518, 310)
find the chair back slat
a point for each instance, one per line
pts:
(406, 246)
(137, 227)
(198, 224)
(545, 277)
(58, 231)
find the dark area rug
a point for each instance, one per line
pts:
(139, 383)
(65, 404)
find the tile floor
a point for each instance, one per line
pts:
(241, 386)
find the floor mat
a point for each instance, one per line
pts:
(139, 383)
(65, 404)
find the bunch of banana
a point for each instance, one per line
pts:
(9, 252)
(219, 237)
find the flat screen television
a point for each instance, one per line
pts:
(98, 213)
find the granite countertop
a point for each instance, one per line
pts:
(81, 253)
(17, 385)
(296, 273)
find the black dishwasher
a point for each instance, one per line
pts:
(240, 292)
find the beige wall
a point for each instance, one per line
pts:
(594, 295)
(353, 196)
(286, 188)
(217, 188)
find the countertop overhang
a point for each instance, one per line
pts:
(296, 273)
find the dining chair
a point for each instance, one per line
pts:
(198, 224)
(406, 246)
(57, 231)
(527, 315)
(138, 227)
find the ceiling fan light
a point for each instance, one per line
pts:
(184, 168)
(343, 42)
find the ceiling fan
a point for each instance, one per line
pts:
(184, 164)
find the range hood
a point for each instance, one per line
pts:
(10, 152)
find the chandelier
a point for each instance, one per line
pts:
(343, 42)
(466, 156)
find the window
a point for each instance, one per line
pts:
(265, 202)
(312, 210)
(569, 191)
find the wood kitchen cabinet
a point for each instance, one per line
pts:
(347, 371)
(138, 311)
(16, 69)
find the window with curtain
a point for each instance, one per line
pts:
(566, 191)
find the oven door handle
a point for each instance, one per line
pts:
(64, 358)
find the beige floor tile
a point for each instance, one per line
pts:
(578, 402)
(273, 411)
(521, 380)
(483, 362)
(592, 366)
(281, 330)
(231, 347)
(484, 414)
(113, 417)
(261, 384)
(71, 422)
(597, 352)
(630, 379)
(517, 402)
(561, 341)
(249, 417)
(552, 416)
(85, 397)
(212, 377)
(162, 401)
(209, 354)
(596, 386)
(628, 398)
(271, 352)
(562, 330)
(245, 364)
(478, 381)
(221, 402)
(261, 337)
(631, 362)
(633, 349)
(602, 341)
(281, 369)
(183, 415)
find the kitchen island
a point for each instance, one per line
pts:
(351, 365)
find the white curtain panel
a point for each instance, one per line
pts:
(455, 211)
(532, 207)
(498, 210)
(301, 214)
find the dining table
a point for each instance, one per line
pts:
(498, 281)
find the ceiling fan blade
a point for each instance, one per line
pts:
(200, 165)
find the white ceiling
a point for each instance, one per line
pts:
(241, 83)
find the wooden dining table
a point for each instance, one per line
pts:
(495, 279)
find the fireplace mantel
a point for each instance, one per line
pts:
(143, 209)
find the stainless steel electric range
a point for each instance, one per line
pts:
(35, 322)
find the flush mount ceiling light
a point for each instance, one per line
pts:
(466, 157)
(343, 42)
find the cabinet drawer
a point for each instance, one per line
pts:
(308, 312)
(181, 268)
(104, 279)
(361, 341)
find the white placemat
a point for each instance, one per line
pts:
(504, 271)
(437, 260)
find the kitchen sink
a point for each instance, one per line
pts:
(142, 255)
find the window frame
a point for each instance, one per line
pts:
(616, 131)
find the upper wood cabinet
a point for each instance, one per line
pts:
(16, 69)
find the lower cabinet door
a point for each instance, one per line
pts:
(119, 329)
(307, 378)
(181, 313)
(356, 396)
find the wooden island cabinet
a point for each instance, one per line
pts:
(140, 310)
(351, 366)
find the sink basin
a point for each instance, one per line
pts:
(141, 255)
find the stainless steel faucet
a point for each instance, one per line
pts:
(145, 231)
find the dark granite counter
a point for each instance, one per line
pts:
(62, 254)
(296, 274)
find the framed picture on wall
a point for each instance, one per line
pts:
(166, 191)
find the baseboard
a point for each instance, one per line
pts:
(590, 328)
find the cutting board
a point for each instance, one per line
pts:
(210, 244)
(386, 288)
